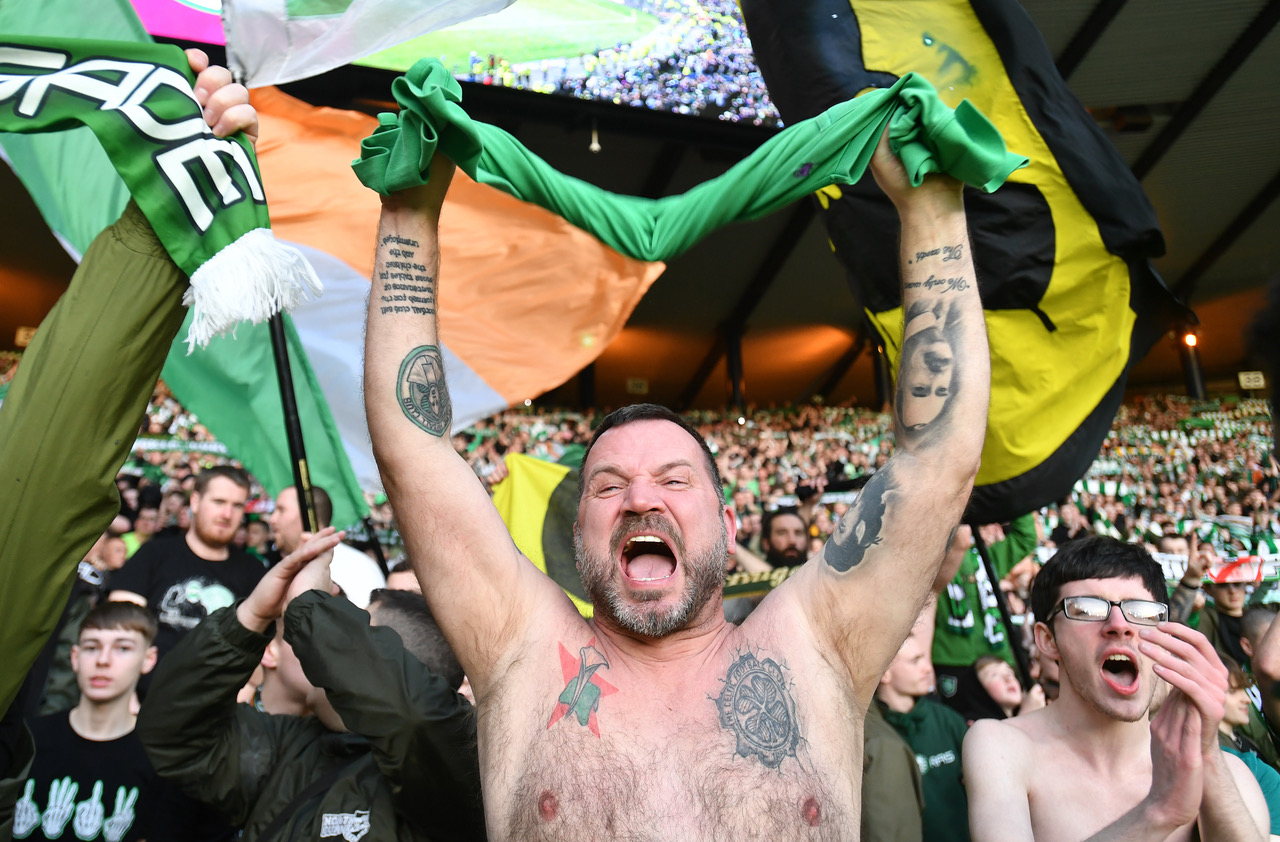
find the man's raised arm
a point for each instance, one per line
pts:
(478, 586)
(873, 575)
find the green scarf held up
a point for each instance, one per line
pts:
(833, 148)
(202, 195)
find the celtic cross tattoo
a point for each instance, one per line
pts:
(421, 391)
(756, 705)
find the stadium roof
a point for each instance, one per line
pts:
(1193, 82)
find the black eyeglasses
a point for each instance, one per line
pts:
(1095, 609)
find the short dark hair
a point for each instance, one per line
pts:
(647, 412)
(400, 564)
(324, 505)
(231, 472)
(1255, 622)
(1095, 557)
(408, 614)
(781, 511)
(129, 616)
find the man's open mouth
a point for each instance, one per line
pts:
(648, 558)
(1121, 673)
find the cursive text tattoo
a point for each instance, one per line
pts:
(405, 286)
(756, 706)
(421, 390)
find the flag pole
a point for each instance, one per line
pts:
(288, 400)
(293, 425)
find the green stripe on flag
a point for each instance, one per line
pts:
(78, 208)
(316, 8)
(230, 386)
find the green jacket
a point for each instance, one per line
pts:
(892, 791)
(408, 768)
(935, 733)
(968, 621)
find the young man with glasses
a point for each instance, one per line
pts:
(1094, 765)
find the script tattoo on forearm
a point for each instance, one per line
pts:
(935, 283)
(406, 288)
(755, 705)
(859, 530)
(421, 391)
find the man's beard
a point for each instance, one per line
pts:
(703, 574)
(789, 557)
(208, 532)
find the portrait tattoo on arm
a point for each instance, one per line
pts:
(421, 390)
(756, 707)
(929, 371)
(859, 529)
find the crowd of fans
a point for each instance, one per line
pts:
(1193, 482)
(698, 60)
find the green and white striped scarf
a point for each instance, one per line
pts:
(202, 194)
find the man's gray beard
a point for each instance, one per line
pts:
(704, 577)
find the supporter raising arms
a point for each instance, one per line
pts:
(656, 718)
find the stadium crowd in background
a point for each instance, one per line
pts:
(289, 709)
(697, 60)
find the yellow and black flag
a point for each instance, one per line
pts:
(1062, 250)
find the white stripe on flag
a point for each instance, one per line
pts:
(332, 331)
(270, 42)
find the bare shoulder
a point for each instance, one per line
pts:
(1004, 736)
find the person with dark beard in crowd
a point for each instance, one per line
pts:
(185, 580)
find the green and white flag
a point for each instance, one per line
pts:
(230, 384)
(202, 194)
(271, 42)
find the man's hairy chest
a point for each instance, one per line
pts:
(751, 746)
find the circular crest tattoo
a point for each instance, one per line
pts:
(757, 707)
(421, 390)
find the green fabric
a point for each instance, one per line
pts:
(410, 760)
(37, 159)
(145, 118)
(935, 733)
(101, 346)
(892, 790)
(833, 148)
(1260, 735)
(202, 195)
(232, 387)
(968, 623)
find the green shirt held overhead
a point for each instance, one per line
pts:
(833, 148)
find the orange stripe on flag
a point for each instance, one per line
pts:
(526, 300)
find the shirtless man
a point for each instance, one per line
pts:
(1092, 765)
(657, 719)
